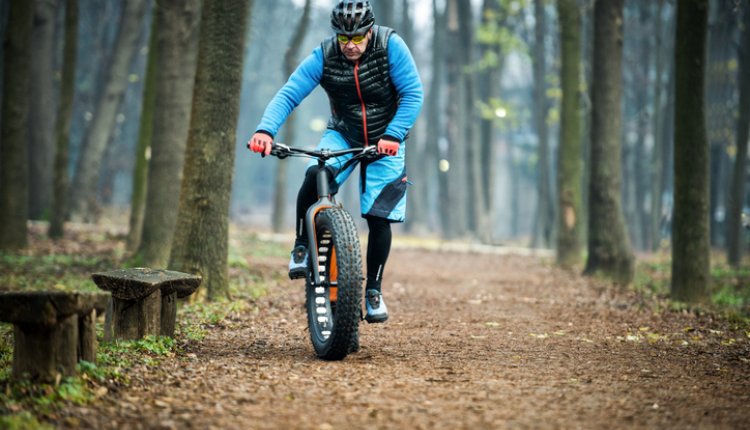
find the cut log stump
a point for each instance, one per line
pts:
(144, 301)
(52, 331)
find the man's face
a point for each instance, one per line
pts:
(352, 50)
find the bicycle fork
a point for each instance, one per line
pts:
(324, 201)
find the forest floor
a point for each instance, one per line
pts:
(474, 340)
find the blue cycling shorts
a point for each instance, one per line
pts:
(383, 182)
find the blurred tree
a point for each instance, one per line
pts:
(62, 127)
(490, 38)
(385, 13)
(177, 40)
(42, 109)
(456, 202)
(609, 251)
(690, 235)
(143, 147)
(545, 213)
(14, 162)
(658, 157)
(83, 199)
(417, 159)
(736, 238)
(468, 123)
(570, 162)
(436, 127)
(278, 216)
(200, 243)
(721, 87)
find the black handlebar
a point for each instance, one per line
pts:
(281, 150)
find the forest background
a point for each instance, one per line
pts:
(546, 124)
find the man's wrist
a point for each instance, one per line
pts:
(391, 138)
(267, 133)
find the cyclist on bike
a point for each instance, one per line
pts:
(375, 95)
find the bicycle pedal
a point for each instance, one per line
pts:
(297, 274)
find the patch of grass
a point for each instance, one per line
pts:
(68, 266)
(250, 245)
(51, 271)
(729, 295)
(22, 421)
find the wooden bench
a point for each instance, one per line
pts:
(52, 331)
(144, 301)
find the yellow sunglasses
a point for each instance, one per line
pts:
(355, 39)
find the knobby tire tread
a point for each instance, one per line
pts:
(345, 331)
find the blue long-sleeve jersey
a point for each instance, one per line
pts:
(308, 74)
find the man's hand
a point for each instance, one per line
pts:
(260, 142)
(388, 147)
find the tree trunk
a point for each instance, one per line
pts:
(42, 109)
(720, 113)
(142, 150)
(416, 159)
(608, 245)
(489, 90)
(657, 158)
(735, 236)
(690, 249)
(542, 230)
(455, 204)
(434, 152)
(85, 181)
(642, 177)
(468, 126)
(201, 235)
(290, 63)
(62, 127)
(177, 39)
(14, 162)
(570, 166)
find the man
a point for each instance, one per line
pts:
(375, 95)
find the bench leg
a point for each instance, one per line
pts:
(43, 353)
(168, 314)
(87, 336)
(133, 319)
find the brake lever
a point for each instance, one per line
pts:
(280, 150)
(370, 152)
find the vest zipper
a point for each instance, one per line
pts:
(361, 101)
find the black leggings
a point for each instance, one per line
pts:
(379, 238)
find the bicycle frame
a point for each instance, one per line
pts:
(325, 199)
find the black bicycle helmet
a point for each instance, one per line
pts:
(350, 17)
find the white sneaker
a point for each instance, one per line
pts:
(377, 312)
(298, 263)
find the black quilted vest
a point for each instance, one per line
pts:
(374, 103)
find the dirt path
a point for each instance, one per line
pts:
(474, 341)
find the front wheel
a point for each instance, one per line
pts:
(333, 307)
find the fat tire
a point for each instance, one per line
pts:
(346, 316)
